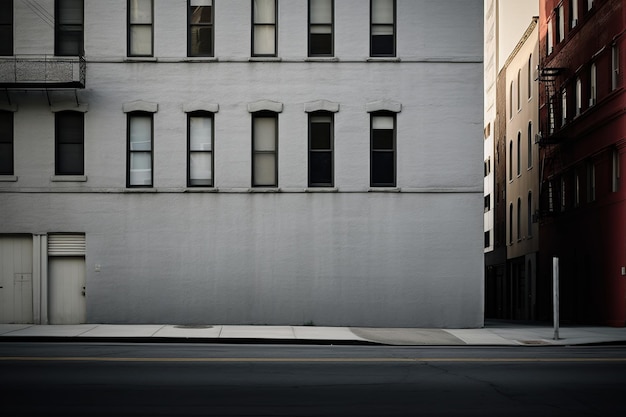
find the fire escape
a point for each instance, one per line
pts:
(549, 139)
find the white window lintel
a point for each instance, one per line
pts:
(140, 105)
(201, 106)
(383, 105)
(265, 105)
(321, 105)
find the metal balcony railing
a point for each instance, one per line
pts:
(42, 71)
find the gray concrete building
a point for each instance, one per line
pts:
(242, 162)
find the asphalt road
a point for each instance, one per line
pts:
(77, 379)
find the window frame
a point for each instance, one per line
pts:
(130, 152)
(253, 53)
(614, 67)
(8, 140)
(130, 25)
(191, 25)
(530, 145)
(560, 29)
(270, 115)
(579, 97)
(529, 75)
(529, 216)
(573, 7)
(519, 89)
(563, 106)
(311, 25)
(519, 154)
(61, 29)
(7, 42)
(58, 144)
(211, 116)
(593, 84)
(393, 151)
(519, 219)
(394, 30)
(330, 150)
(615, 170)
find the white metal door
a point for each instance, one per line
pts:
(66, 281)
(16, 279)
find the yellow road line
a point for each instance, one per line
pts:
(302, 360)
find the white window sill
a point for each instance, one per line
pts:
(8, 178)
(201, 59)
(383, 59)
(140, 59)
(68, 178)
(383, 190)
(265, 59)
(321, 59)
(264, 190)
(322, 190)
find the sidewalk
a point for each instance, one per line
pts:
(493, 334)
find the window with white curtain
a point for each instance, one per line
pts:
(140, 27)
(573, 13)
(383, 150)
(68, 27)
(200, 145)
(265, 149)
(563, 106)
(561, 24)
(264, 25)
(200, 35)
(321, 27)
(139, 149)
(382, 28)
(593, 84)
(579, 96)
(549, 39)
(614, 67)
(69, 143)
(589, 4)
(6, 143)
(6, 28)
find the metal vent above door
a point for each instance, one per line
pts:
(62, 244)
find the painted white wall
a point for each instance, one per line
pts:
(352, 257)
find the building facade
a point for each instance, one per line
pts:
(582, 133)
(522, 174)
(262, 162)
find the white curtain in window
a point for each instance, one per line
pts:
(140, 133)
(141, 11)
(140, 168)
(593, 75)
(264, 11)
(265, 169)
(264, 40)
(264, 134)
(200, 166)
(321, 11)
(382, 11)
(382, 122)
(200, 133)
(141, 40)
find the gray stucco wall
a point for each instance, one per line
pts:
(353, 256)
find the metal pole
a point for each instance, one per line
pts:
(555, 295)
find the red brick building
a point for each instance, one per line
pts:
(582, 141)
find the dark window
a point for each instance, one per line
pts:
(321, 27)
(6, 143)
(200, 163)
(383, 150)
(140, 27)
(6, 27)
(200, 28)
(321, 150)
(68, 25)
(487, 199)
(139, 161)
(264, 149)
(69, 135)
(487, 238)
(383, 28)
(264, 17)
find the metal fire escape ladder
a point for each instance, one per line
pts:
(550, 158)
